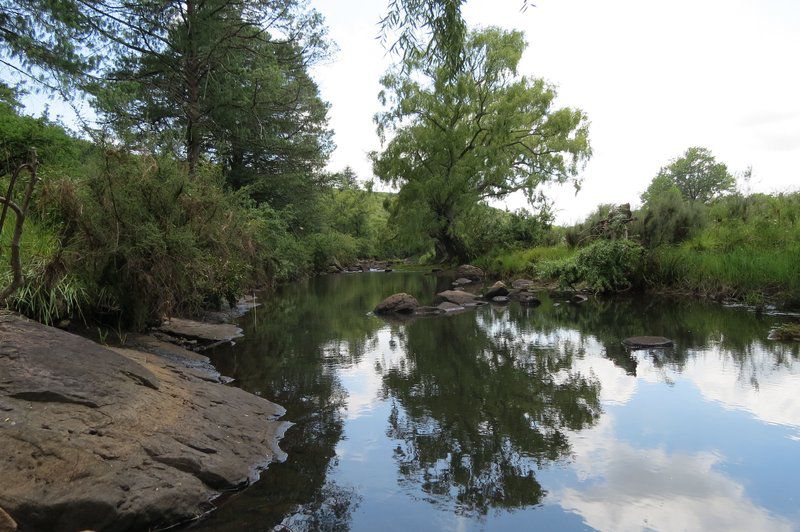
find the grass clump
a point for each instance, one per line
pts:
(602, 266)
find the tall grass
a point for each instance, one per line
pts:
(745, 272)
(523, 261)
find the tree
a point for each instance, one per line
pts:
(479, 133)
(152, 63)
(696, 174)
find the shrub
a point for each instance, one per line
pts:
(669, 219)
(602, 266)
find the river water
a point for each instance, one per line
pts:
(508, 418)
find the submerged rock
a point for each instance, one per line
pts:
(470, 272)
(428, 311)
(527, 299)
(577, 299)
(397, 303)
(646, 342)
(449, 307)
(500, 299)
(497, 289)
(461, 281)
(95, 438)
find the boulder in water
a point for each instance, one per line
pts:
(401, 303)
(470, 272)
(461, 281)
(459, 297)
(522, 284)
(497, 289)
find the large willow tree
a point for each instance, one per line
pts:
(467, 133)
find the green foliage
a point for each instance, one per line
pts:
(463, 139)
(696, 174)
(602, 266)
(668, 218)
(522, 262)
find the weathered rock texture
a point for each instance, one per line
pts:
(102, 439)
(497, 289)
(459, 297)
(469, 272)
(401, 303)
(203, 331)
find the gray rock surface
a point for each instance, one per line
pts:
(397, 303)
(470, 272)
(198, 330)
(95, 438)
(497, 289)
(461, 281)
(459, 297)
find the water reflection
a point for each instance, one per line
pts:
(509, 417)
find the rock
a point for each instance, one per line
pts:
(6, 523)
(577, 299)
(787, 332)
(499, 299)
(645, 342)
(449, 307)
(387, 270)
(436, 270)
(527, 299)
(459, 297)
(197, 330)
(522, 284)
(428, 311)
(119, 439)
(398, 303)
(497, 289)
(461, 281)
(470, 272)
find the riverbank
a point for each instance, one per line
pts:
(100, 438)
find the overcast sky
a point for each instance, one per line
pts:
(653, 77)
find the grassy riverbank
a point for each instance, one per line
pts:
(741, 247)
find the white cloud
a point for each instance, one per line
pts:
(654, 78)
(651, 489)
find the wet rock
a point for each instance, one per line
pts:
(522, 284)
(497, 289)
(119, 439)
(577, 299)
(428, 311)
(470, 272)
(459, 297)
(647, 342)
(500, 299)
(462, 281)
(527, 299)
(203, 331)
(397, 303)
(449, 307)
(787, 332)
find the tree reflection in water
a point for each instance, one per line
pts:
(478, 410)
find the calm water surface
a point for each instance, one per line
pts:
(508, 418)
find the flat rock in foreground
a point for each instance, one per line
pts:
(198, 330)
(644, 342)
(102, 439)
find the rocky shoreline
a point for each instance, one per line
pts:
(118, 438)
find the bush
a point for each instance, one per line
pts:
(602, 266)
(669, 219)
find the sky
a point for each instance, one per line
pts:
(654, 78)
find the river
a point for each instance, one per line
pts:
(513, 418)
